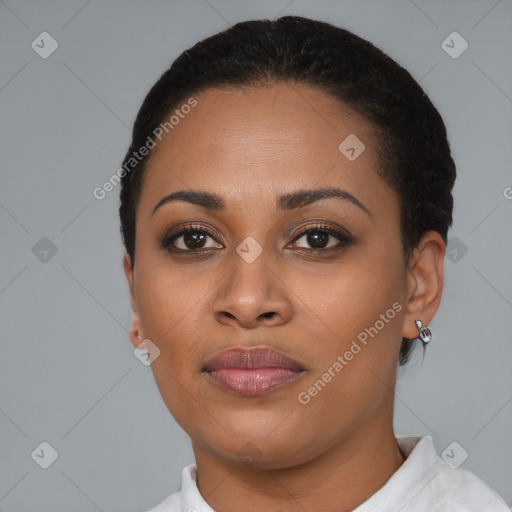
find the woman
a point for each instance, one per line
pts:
(285, 205)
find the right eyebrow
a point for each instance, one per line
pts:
(198, 197)
(301, 198)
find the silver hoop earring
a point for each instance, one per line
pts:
(425, 335)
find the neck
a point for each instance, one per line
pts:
(338, 480)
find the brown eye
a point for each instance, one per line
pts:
(190, 239)
(317, 239)
(193, 240)
(323, 239)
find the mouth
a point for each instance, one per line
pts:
(252, 371)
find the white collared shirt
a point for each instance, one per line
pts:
(423, 483)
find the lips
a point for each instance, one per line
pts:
(252, 371)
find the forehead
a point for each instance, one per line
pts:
(254, 143)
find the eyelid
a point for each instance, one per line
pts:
(333, 228)
(190, 226)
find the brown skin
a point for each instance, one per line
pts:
(250, 147)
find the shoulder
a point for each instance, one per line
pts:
(448, 489)
(460, 490)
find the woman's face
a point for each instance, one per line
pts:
(249, 274)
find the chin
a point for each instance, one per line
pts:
(256, 451)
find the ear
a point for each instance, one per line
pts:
(425, 281)
(136, 323)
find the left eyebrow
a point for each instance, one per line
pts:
(291, 201)
(301, 198)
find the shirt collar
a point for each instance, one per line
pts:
(191, 499)
(419, 467)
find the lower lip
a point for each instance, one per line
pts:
(255, 381)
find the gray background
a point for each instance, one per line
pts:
(68, 375)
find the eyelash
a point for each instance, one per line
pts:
(344, 237)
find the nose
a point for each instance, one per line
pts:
(252, 295)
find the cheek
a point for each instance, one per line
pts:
(167, 291)
(363, 306)
(355, 296)
(358, 363)
(172, 307)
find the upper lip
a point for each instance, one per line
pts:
(250, 358)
